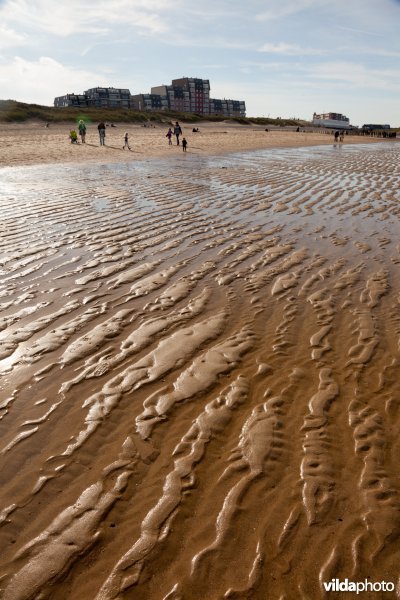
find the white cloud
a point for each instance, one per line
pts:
(139, 43)
(65, 18)
(200, 40)
(288, 49)
(40, 81)
(363, 17)
(277, 9)
(379, 52)
(356, 30)
(10, 38)
(356, 75)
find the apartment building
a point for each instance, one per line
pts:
(199, 93)
(187, 94)
(190, 94)
(227, 108)
(155, 102)
(177, 97)
(110, 97)
(70, 100)
(98, 97)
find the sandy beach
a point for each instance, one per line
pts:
(199, 358)
(33, 143)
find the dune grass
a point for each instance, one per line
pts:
(12, 111)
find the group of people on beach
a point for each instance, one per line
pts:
(339, 136)
(73, 136)
(177, 132)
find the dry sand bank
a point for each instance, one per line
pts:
(32, 143)
(200, 376)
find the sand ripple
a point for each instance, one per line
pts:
(199, 376)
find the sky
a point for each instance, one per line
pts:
(285, 58)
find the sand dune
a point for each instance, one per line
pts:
(199, 373)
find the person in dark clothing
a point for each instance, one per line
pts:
(126, 142)
(184, 144)
(102, 133)
(177, 132)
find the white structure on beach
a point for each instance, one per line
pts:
(331, 120)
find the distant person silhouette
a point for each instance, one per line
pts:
(102, 133)
(177, 132)
(82, 130)
(126, 142)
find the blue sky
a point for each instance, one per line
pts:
(285, 58)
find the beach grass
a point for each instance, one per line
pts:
(12, 111)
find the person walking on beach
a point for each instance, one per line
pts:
(102, 133)
(82, 130)
(177, 132)
(169, 136)
(336, 136)
(341, 137)
(184, 144)
(126, 140)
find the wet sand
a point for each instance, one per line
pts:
(200, 375)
